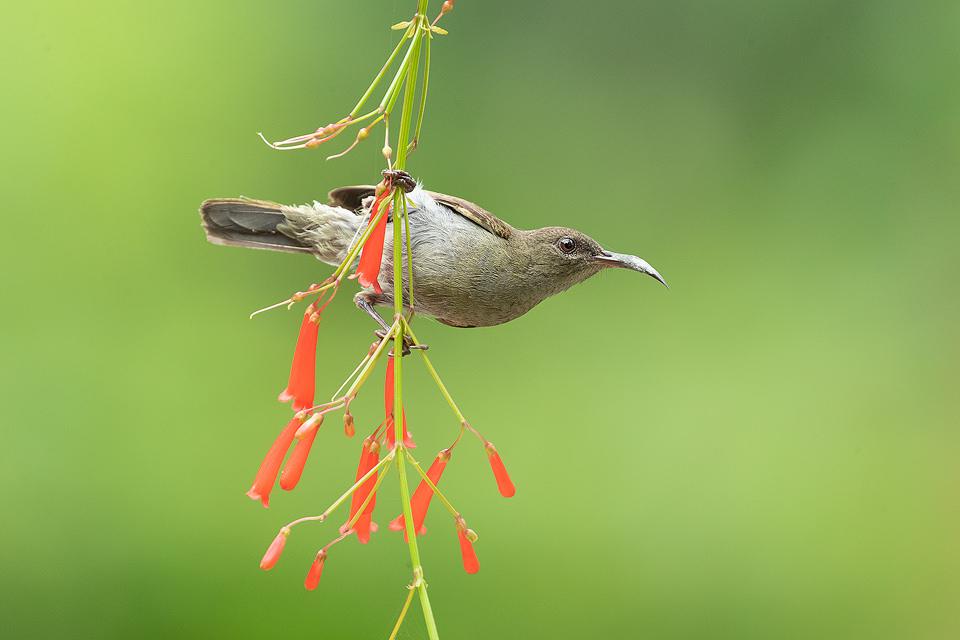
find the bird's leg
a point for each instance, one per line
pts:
(363, 303)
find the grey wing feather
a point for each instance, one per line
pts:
(351, 198)
(475, 213)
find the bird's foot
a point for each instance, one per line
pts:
(400, 178)
(407, 342)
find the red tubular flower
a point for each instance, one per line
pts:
(388, 390)
(273, 551)
(301, 386)
(292, 471)
(372, 253)
(391, 433)
(467, 537)
(369, 458)
(313, 576)
(422, 496)
(267, 473)
(504, 483)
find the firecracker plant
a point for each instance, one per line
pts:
(388, 445)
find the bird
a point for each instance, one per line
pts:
(470, 268)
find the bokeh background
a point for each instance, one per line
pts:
(768, 450)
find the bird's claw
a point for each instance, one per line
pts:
(407, 342)
(400, 178)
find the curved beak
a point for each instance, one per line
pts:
(624, 261)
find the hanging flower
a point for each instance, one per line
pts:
(292, 471)
(420, 501)
(504, 483)
(274, 550)
(313, 576)
(467, 538)
(372, 253)
(267, 473)
(369, 457)
(348, 427)
(301, 386)
(391, 433)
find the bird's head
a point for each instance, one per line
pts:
(567, 256)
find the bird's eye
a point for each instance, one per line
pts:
(567, 245)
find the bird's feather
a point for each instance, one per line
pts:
(352, 198)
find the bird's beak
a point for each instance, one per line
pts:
(624, 261)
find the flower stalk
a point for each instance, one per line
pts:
(390, 443)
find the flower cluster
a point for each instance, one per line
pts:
(387, 444)
(300, 433)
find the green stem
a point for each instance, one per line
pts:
(403, 613)
(373, 360)
(380, 75)
(430, 484)
(409, 68)
(386, 105)
(372, 493)
(436, 377)
(423, 93)
(349, 492)
(356, 247)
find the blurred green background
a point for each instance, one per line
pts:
(767, 450)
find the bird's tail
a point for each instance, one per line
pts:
(326, 231)
(243, 222)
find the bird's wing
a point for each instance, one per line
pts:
(474, 213)
(351, 198)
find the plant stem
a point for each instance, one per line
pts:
(379, 77)
(436, 377)
(409, 67)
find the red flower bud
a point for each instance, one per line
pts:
(504, 483)
(467, 537)
(267, 473)
(313, 576)
(273, 551)
(348, 427)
